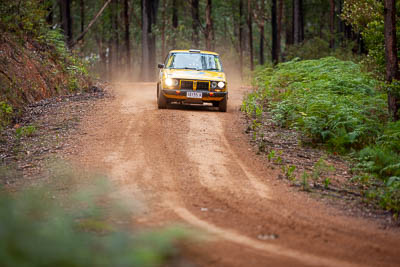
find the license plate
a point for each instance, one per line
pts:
(194, 94)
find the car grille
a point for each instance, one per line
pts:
(187, 85)
(201, 85)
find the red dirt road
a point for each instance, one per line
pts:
(193, 165)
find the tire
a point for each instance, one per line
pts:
(223, 105)
(161, 99)
(215, 104)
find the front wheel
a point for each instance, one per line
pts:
(223, 104)
(161, 99)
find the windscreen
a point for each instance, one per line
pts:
(194, 61)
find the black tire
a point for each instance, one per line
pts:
(222, 107)
(161, 99)
(215, 104)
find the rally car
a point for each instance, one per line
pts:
(192, 77)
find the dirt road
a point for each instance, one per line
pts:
(193, 165)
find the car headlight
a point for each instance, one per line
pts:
(214, 85)
(171, 82)
(221, 85)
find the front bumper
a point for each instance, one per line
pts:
(181, 95)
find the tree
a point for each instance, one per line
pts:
(241, 41)
(174, 22)
(195, 23)
(332, 23)
(274, 50)
(298, 30)
(127, 38)
(392, 66)
(209, 30)
(66, 21)
(250, 28)
(149, 18)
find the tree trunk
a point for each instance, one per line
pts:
(127, 38)
(195, 23)
(163, 48)
(82, 7)
(298, 21)
(392, 67)
(332, 23)
(49, 17)
(149, 11)
(241, 42)
(289, 24)
(66, 21)
(174, 22)
(274, 50)
(250, 27)
(279, 29)
(261, 55)
(209, 32)
(117, 52)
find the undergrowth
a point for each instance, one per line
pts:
(334, 104)
(88, 227)
(35, 62)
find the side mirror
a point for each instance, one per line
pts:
(160, 66)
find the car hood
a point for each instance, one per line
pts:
(195, 74)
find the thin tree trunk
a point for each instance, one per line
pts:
(117, 53)
(288, 24)
(261, 55)
(90, 24)
(241, 42)
(49, 17)
(250, 28)
(163, 48)
(209, 33)
(174, 22)
(296, 22)
(274, 51)
(127, 38)
(82, 7)
(195, 23)
(149, 11)
(332, 23)
(392, 67)
(66, 20)
(279, 28)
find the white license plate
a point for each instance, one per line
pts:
(194, 94)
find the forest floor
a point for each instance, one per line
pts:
(195, 166)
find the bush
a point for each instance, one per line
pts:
(38, 230)
(329, 100)
(333, 103)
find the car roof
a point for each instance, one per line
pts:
(189, 51)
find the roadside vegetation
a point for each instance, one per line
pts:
(334, 105)
(34, 61)
(59, 225)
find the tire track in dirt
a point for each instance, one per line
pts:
(193, 164)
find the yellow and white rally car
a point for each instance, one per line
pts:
(192, 77)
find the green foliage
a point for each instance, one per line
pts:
(367, 17)
(334, 103)
(6, 112)
(25, 131)
(23, 17)
(329, 100)
(36, 230)
(317, 47)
